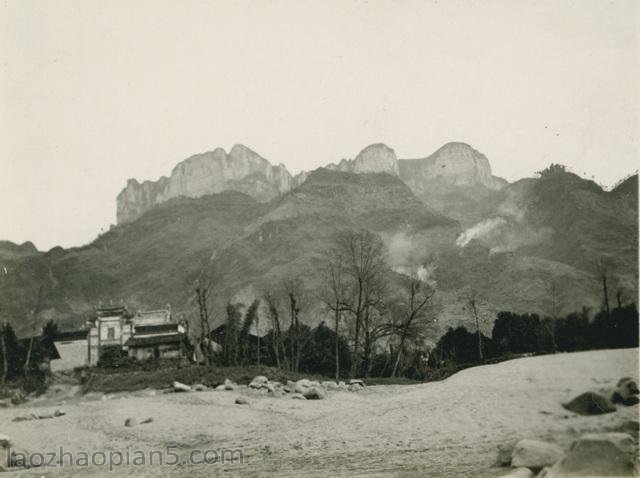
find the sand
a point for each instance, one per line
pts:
(448, 428)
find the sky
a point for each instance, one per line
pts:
(96, 92)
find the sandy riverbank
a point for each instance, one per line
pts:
(449, 428)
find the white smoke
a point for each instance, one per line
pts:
(422, 273)
(407, 255)
(480, 230)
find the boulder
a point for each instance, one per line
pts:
(505, 450)
(198, 387)
(229, 385)
(597, 454)
(259, 382)
(181, 387)
(5, 403)
(535, 454)
(302, 385)
(631, 427)
(590, 403)
(626, 392)
(146, 420)
(242, 401)
(5, 442)
(519, 473)
(623, 441)
(315, 393)
(356, 381)
(629, 380)
(329, 385)
(130, 422)
(298, 396)
(276, 393)
(221, 387)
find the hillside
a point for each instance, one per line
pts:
(548, 230)
(517, 241)
(150, 262)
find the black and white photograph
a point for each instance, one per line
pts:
(319, 238)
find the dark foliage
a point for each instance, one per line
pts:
(522, 334)
(459, 346)
(318, 357)
(114, 357)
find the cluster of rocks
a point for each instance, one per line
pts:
(593, 454)
(611, 453)
(199, 387)
(594, 403)
(40, 416)
(303, 389)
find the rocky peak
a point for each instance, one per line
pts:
(456, 164)
(376, 158)
(212, 172)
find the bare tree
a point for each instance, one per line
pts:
(554, 297)
(472, 300)
(363, 262)
(413, 316)
(294, 294)
(335, 296)
(34, 315)
(277, 343)
(603, 271)
(202, 297)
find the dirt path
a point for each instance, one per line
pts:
(449, 428)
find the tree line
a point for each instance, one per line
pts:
(515, 334)
(376, 322)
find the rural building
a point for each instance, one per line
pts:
(111, 327)
(144, 334)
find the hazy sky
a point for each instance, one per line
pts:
(95, 92)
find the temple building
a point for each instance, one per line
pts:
(142, 335)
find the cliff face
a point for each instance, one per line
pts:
(375, 158)
(454, 164)
(442, 180)
(207, 173)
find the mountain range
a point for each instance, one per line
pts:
(249, 224)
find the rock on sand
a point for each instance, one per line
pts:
(535, 454)
(597, 454)
(590, 403)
